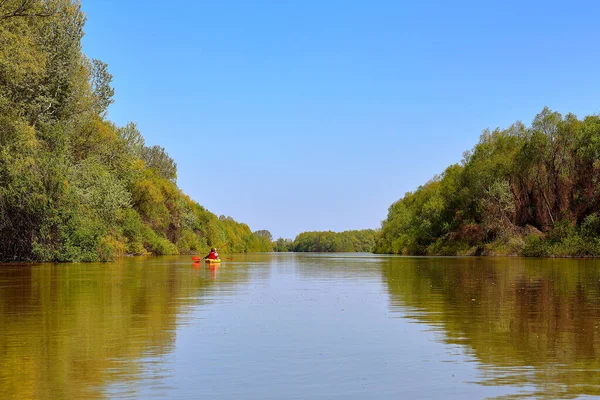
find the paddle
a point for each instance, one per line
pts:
(220, 247)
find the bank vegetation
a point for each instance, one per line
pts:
(73, 185)
(525, 190)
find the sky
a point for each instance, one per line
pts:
(305, 115)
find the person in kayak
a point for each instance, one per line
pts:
(213, 255)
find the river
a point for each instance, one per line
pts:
(301, 326)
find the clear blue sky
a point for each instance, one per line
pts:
(317, 115)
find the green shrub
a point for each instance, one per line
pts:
(109, 248)
(590, 226)
(576, 246)
(136, 248)
(131, 224)
(188, 241)
(535, 246)
(445, 246)
(562, 229)
(505, 246)
(157, 245)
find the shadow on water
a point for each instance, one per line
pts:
(529, 323)
(70, 331)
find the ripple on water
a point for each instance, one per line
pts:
(269, 326)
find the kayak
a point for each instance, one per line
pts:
(208, 260)
(211, 261)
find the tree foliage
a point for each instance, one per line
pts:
(73, 186)
(100, 86)
(265, 233)
(347, 241)
(156, 157)
(284, 245)
(512, 194)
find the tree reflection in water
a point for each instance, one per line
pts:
(71, 331)
(529, 323)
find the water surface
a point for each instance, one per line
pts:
(298, 326)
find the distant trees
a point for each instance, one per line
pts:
(514, 190)
(264, 233)
(348, 241)
(284, 245)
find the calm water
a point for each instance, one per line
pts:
(301, 326)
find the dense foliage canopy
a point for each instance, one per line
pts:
(73, 186)
(523, 190)
(348, 241)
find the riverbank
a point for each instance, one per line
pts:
(530, 242)
(529, 191)
(74, 186)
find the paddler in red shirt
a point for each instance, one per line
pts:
(213, 255)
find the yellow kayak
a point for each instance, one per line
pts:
(211, 261)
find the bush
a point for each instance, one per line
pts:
(131, 224)
(535, 246)
(109, 248)
(505, 246)
(188, 241)
(590, 226)
(136, 248)
(447, 246)
(561, 230)
(157, 245)
(576, 246)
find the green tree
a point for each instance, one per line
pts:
(73, 186)
(515, 190)
(100, 85)
(264, 233)
(156, 157)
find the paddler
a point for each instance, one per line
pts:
(213, 255)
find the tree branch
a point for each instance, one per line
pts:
(28, 15)
(25, 9)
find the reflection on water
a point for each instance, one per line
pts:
(528, 323)
(297, 326)
(68, 331)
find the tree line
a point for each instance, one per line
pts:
(73, 185)
(328, 241)
(532, 191)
